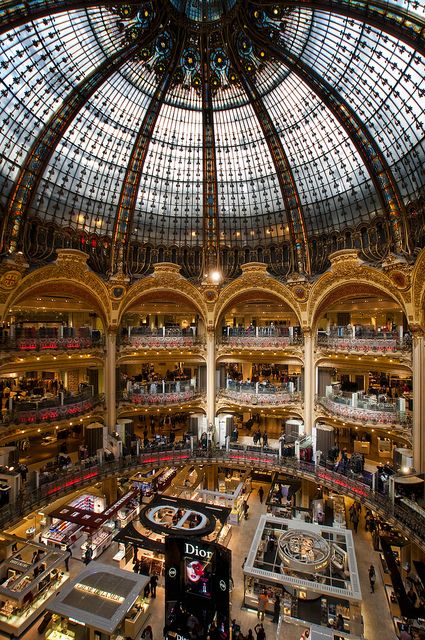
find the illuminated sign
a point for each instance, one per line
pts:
(99, 592)
(172, 517)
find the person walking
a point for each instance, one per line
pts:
(153, 582)
(372, 578)
(276, 609)
(262, 602)
(261, 494)
(259, 630)
(355, 519)
(147, 633)
(68, 557)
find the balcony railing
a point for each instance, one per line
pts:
(160, 393)
(260, 394)
(164, 338)
(52, 409)
(365, 341)
(381, 413)
(400, 515)
(263, 337)
(39, 344)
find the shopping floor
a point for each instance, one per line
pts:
(377, 619)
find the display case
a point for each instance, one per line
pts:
(100, 541)
(136, 618)
(339, 517)
(61, 533)
(237, 512)
(28, 581)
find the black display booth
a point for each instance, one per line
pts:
(197, 579)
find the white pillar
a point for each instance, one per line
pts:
(418, 401)
(309, 380)
(110, 380)
(210, 376)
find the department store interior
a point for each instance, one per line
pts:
(212, 296)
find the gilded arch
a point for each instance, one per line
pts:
(69, 274)
(256, 279)
(353, 278)
(163, 281)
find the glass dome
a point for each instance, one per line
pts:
(211, 126)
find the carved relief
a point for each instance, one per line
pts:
(165, 279)
(259, 281)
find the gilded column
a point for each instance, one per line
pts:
(418, 400)
(309, 380)
(110, 379)
(211, 376)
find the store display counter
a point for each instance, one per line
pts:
(100, 541)
(29, 579)
(136, 618)
(105, 602)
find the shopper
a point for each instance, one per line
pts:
(372, 578)
(147, 633)
(276, 609)
(261, 494)
(262, 602)
(68, 556)
(245, 509)
(355, 519)
(153, 582)
(339, 622)
(259, 630)
(250, 635)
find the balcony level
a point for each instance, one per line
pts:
(367, 411)
(365, 340)
(49, 339)
(147, 338)
(269, 337)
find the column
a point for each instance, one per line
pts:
(210, 376)
(309, 380)
(110, 379)
(418, 401)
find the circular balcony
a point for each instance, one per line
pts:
(261, 394)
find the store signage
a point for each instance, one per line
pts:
(99, 592)
(194, 550)
(172, 572)
(164, 515)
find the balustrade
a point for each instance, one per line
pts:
(379, 413)
(161, 392)
(408, 519)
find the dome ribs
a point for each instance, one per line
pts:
(49, 137)
(390, 18)
(127, 202)
(16, 13)
(287, 184)
(372, 156)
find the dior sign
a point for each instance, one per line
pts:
(171, 517)
(194, 550)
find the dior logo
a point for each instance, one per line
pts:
(194, 550)
(166, 515)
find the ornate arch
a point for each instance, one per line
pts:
(166, 278)
(348, 274)
(255, 278)
(69, 274)
(418, 289)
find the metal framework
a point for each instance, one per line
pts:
(373, 158)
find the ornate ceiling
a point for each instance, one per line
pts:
(210, 123)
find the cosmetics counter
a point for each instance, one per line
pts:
(233, 488)
(312, 568)
(30, 576)
(282, 495)
(63, 532)
(152, 480)
(102, 603)
(142, 542)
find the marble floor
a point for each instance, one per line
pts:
(377, 619)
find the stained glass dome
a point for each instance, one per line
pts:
(179, 128)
